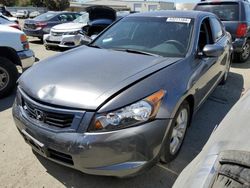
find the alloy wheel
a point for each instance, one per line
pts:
(4, 78)
(179, 131)
(246, 51)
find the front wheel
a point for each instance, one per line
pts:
(8, 76)
(176, 133)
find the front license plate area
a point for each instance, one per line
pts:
(34, 143)
(55, 38)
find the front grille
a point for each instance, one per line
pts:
(29, 26)
(47, 117)
(62, 157)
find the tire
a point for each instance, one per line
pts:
(244, 55)
(169, 151)
(8, 76)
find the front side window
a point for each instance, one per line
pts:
(45, 17)
(168, 37)
(216, 29)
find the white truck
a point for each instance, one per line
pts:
(14, 52)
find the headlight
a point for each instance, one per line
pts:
(72, 33)
(136, 113)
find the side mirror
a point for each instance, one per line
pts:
(93, 36)
(212, 50)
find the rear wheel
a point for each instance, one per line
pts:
(244, 55)
(176, 133)
(8, 76)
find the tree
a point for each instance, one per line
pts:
(37, 3)
(56, 4)
(23, 2)
(8, 2)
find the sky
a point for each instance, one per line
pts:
(175, 1)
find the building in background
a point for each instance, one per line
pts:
(184, 6)
(132, 5)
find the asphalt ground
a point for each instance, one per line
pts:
(20, 167)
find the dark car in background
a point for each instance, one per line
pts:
(42, 24)
(235, 15)
(122, 103)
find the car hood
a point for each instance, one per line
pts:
(101, 12)
(87, 77)
(69, 26)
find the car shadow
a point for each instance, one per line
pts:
(245, 65)
(155, 177)
(209, 115)
(36, 41)
(7, 102)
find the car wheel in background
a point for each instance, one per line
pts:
(176, 133)
(244, 55)
(8, 76)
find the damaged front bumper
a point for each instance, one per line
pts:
(65, 41)
(119, 153)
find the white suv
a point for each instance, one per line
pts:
(14, 51)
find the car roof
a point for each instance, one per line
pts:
(173, 13)
(222, 1)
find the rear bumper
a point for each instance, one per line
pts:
(27, 58)
(34, 33)
(238, 44)
(120, 153)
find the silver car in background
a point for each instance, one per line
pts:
(224, 162)
(79, 32)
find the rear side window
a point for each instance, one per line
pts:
(247, 10)
(45, 17)
(226, 11)
(216, 29)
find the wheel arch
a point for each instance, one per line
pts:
(10, 54)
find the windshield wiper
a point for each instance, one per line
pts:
(135, 51)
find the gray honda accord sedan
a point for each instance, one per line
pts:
(119, 105)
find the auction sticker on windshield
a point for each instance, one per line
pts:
(179, 20)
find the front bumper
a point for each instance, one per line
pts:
(65, 41)
(119, 153)
(238, 44)
(27, 58)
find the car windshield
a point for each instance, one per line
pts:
(45, 16)
(226, 11)
(84, 18)
(168, 37)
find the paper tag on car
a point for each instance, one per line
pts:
(179, 20)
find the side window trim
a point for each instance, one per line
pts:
(215, 40)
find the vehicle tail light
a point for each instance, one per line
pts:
(241, 30)
(25, 42)
(16, 26)
(41, 24)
